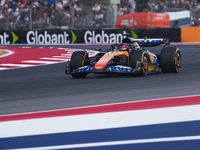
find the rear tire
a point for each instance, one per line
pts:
(170, 60)
(78, 59)
(142, 57)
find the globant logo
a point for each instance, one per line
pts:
(33, 37)
(5, 38)
(91, 37)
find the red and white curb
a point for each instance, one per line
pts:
(18, 57)
(137, 113)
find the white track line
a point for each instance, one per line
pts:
(67, 54)
(39, 62)
(16, 65)
(52, 58)
(61, 56)
(1, 68)
(112, 143)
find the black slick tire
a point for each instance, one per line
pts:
(78, 59)
(170, 60)
(142, 57)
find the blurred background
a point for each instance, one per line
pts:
(79, 14)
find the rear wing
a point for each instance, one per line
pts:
(147, 42)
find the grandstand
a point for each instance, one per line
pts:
(42, 14)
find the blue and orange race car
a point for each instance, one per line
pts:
(128, 57)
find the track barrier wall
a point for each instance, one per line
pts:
(96, 36)
(190, 34)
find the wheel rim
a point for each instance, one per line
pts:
(145, 63)
(177, 62)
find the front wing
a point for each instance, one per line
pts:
(108, 69)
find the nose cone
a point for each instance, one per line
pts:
(101, 63)
(104, 61)
(98, 67)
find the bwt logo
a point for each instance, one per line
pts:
(121, 68)
(148, 40)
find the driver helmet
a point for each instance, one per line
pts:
(123, 48)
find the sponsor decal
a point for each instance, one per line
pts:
(125, 22)
(65, 36)
(102, 37)
(33, 37)
(83, 69)
(160, 16)
(134, 35)
(121, 68)
(149, 40)
(15, 37)
(73, 37)
(132, 23)
(98, 67)
(155, 59)
(5, 38)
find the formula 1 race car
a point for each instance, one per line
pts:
(128, 57)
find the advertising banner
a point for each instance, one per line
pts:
(87, 36)
(143, 20)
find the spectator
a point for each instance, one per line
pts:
(95, 20)
(99, 15)
(170, 4)
(101, 18)
(78, 9)
(175, 24)
(78, 22)
(158, 7)
(196, 13)
(97, 7)
(14, 14)
(198, 22)
(119, 11)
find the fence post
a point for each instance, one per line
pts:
(113, 18)
(132, 5)
(72, 14)
(151, 8)
(30, 18)
(190, 7)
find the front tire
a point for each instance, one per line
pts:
(170, 60)
(142, 57)
(78, 59)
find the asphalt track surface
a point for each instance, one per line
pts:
(47, 87)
